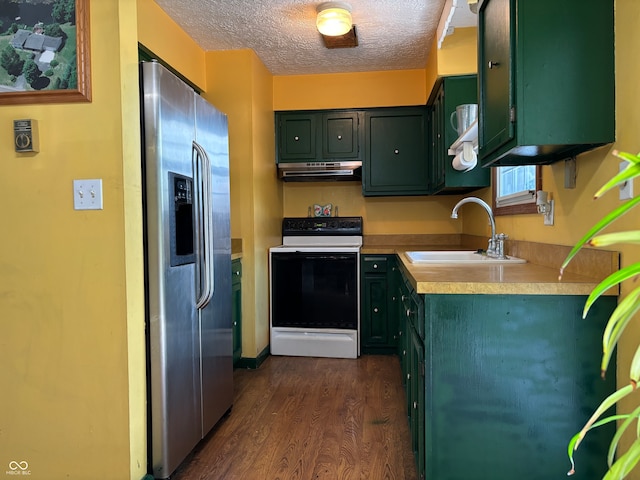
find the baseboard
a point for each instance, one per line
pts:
(254, 363)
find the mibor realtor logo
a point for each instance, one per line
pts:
(18, 467)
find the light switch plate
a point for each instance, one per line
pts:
(87, 194)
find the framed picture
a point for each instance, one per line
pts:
(44, 52)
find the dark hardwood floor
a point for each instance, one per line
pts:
(310, 418)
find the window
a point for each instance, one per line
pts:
(515, 189)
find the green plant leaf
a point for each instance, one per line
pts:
(634, 370)
(625, 463)
(572, 443)
(603, 223)
(612, 280)
(616, 324)
(606, 404)
(629, 157)
(632, 236)
(626, 175)
(619, 432)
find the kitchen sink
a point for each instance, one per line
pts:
(458, 257)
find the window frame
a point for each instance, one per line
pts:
(521, 208)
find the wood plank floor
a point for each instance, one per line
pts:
(307, 419)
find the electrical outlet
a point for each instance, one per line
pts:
(87, 194)
(626, 189)
(549, 215)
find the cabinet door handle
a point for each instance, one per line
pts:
(375, 265)
(415, 405)
(296, 138)
(396, 151)
(339, 137)
(375, 310)
(493, 64)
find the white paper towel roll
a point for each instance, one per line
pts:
(466, 159)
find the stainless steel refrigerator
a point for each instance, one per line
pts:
(188, 266)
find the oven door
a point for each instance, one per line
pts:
(315, 301)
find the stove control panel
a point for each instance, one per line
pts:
(325, 226)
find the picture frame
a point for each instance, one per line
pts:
(57, 83)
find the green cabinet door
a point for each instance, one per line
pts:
(378, 322)
(510, 380)
(236, 308)
(450, 92)
(412, 361)
(319, 135)
(496, 127)
(546, 79)
(417, 393)
(438, 142)
(297, 136)
(396, 152)
(340, 135)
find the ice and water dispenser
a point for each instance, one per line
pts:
(181, 224)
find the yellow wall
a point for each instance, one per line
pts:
(458, 55)
(242, 87)
(71, 308)
(161, 34)
(349, 90)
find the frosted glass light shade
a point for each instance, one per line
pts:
(334, 18)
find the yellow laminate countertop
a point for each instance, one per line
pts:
(517, 279)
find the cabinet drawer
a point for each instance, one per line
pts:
(374, 264)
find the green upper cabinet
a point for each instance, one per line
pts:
(340, 138)
(447, 94)
(546, 79)
(307, 136)
(297, 134)
(395, 152)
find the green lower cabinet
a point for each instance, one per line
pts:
(378, 322)
(497, 385)
(417, 405)
(510, 380)
(236, 308)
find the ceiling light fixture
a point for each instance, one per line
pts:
(334, 18)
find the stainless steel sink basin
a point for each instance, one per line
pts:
(458, 257)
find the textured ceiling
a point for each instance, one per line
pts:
(392, 34)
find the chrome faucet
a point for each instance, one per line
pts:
(496, 242)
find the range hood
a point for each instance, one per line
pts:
(320, 171)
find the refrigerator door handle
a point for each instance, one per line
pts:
(204, 226)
